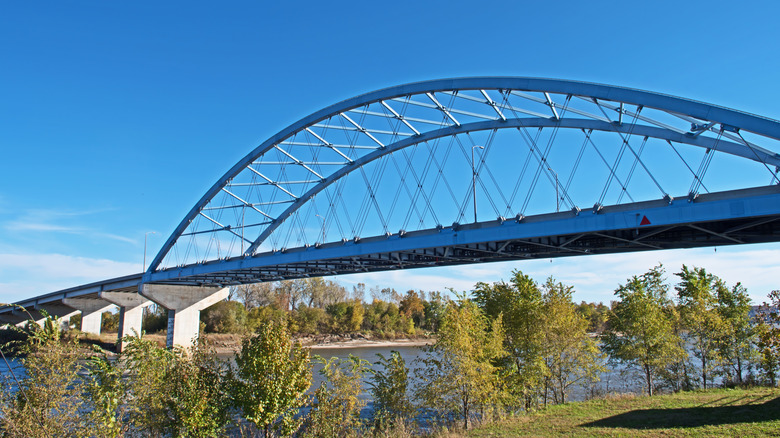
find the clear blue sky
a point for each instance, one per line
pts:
(115, 117)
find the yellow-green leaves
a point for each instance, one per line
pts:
(641, 332)
(271, 377)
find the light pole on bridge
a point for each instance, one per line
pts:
(557, 198)
(143, 268)
(474, 180)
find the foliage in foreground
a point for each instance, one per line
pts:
(47, 402)
(271, 377)
(459, 374)
(515, 344)
(337, 403)
(641, 334)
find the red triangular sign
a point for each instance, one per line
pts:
(645, 221)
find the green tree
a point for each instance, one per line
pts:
(412, 307)
(384, 319)
(225, 317)
(769, 337)
(521, 307)
(322, 293)
(389, 384)
(337, 403)
(697, 298)
(347, 316)
(196, 398)
(433, 309)
(570, 354)
(458, 373)
(736, 346)
(260, 316)
(310, 320)
(271, 375)
(677, 375)
(48, 400)
(155, 319)
(109, 322)
(596, 314)
(145, 366)
(641, 332)
(106, 391)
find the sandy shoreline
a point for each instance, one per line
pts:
(369, 343)
(234, 347)
(230, 344)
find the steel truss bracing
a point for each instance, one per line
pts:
(741, 217)
(418, 158)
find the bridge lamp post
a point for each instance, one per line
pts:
(474, 180)
(557, 198)
(145, 236)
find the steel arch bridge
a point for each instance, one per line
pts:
(473, 170)
(389, 180)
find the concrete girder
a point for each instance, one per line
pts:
(59, 312)
(16, 318)
(184, 304)
(91, 312)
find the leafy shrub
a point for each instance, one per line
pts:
(48, 400)
(310, 320)
(347, 316)
(110, 322)
(155, 319)
(270, 378)
(225, 317)
(389, 385)
(337, 405)
(260, 316)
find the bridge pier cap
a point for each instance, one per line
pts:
(184, 304)
(131, 312)
(91, 312)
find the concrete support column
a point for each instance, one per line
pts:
(184, 304)
(131, 313)
(91, 312)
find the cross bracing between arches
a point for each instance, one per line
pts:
(458, 153)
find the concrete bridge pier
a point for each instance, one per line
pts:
(131, 313)
(184, 304)
(91, 312)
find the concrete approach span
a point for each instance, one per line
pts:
(456, 171)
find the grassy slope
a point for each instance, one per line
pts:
(720, 412)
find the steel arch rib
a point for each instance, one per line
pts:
(649, 131)
(749, 122)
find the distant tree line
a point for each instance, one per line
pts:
(313, 306)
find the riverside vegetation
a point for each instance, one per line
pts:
(507, 350)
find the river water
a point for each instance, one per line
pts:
(612, 381)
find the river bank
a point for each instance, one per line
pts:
(226, 344)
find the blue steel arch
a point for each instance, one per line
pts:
(704, 119)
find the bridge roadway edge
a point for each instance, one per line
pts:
(752, 203)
